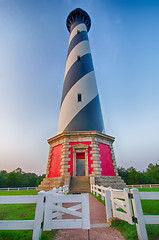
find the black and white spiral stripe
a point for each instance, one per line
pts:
(84, 115)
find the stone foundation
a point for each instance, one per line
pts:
(110, 181)
(49, 183)
(99, 159)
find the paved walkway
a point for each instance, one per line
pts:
(97, 218)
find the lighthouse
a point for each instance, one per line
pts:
(81, 153)
(80, 105)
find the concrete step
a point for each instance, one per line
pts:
(80, 184)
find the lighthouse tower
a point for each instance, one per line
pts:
(80, 106)
(80, 150)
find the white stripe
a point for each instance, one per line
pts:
(70, 106)
(80, 27)
(80, 49)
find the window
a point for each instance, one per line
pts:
(78, 57)
(78, 31)
(79, 97)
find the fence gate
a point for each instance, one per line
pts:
(121, 205)
(55, 209)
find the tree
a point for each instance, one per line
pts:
(123, 173)
(152, 173)
(3, 178)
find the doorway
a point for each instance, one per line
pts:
(80, 164)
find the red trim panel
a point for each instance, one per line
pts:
(89, 157)
(80, 155)
(55, 166)
(106, 160)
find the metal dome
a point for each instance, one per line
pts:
(78, 14)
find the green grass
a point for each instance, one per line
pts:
(127, 230)
(15, 193)
(150, 207)
(99, 198)
(17, 212)
(25, 235)
(148, 189)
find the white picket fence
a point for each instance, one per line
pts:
(35, 224)
(117, 202)
(55, 208)
(143, 186)
(18, 189)
(141, 219)
(49, 211)
(118, 205)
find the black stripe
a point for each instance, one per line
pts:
(81, 36)
(88, 119)
(77, 71)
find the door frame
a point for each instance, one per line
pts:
(80, 148)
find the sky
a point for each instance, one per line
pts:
(124, 41)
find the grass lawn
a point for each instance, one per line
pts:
(148, 189)
(17, 212)
(150, 207)
(12, 193)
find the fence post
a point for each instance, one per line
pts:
(108, 204)
(97, 194)
(102, 192)
(38, 216)
(91, 188)
(126, 189)
(60, 190)
(129, 207)
(140, 225)
(85, 211)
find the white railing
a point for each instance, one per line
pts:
(62, 190)
(105, 195)
(55, 208)
(18, 189)
(141, 219)
(143, 186)
(121, 205)
(118, 204)
(49, 205)
(36, 224)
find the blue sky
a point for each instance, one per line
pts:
(124, 40)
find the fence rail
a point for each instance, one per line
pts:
(35, 224)
(49, 210)
(18, 189)
(138, 213)
(143, 186)
(54, 209)
(117, 200)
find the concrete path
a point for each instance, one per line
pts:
(99, 228)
